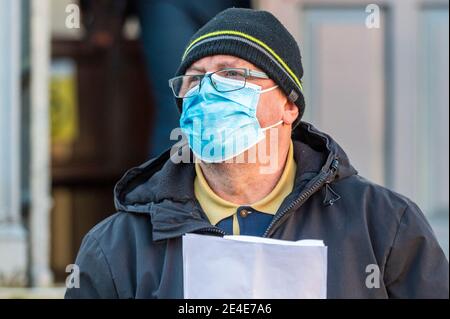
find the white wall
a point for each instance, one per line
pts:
(13, 258)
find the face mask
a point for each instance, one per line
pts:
(222, 125)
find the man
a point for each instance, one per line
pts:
(239, 82)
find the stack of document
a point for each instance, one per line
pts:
(253, 267)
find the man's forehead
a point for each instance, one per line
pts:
(217, 62)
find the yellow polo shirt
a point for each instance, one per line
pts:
(217, 208)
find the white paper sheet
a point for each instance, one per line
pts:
(253, 267)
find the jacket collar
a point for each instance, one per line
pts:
(165, 190)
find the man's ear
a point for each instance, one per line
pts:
(290, 112)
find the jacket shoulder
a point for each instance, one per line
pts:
(377, 198)
(121, 224)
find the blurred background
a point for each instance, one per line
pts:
(80, 103)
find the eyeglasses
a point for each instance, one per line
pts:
(182, 86)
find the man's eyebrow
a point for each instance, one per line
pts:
(226, 64)
(220, 65)
(195, 68)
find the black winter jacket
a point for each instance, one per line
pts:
(136, 253)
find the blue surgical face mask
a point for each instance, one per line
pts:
(222, 125)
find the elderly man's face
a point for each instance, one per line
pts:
(273, 106)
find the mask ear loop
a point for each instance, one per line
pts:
(269, 89)
(280, 121)
(271, 126)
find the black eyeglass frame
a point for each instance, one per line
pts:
(246, 74)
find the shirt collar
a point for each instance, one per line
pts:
(217, 208)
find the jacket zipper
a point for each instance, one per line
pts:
(212, 229)
(304, 196)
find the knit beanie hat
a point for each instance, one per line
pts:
(257, 37)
